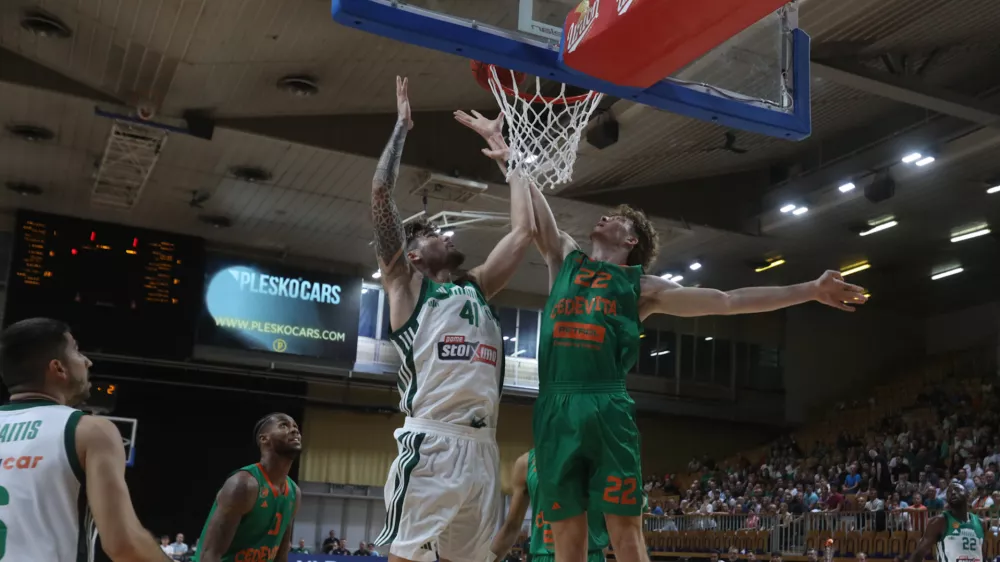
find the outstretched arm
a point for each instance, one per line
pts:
(389, 238)
(519, 502)
(660, 296)
(553, 244)
(494, 274)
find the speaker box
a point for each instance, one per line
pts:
(881, 188)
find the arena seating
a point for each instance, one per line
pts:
(942, 414)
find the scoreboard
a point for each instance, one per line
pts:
(122, 289)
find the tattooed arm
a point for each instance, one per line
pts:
(398, 275)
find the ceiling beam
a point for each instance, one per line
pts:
(909, 90)
(19, 70)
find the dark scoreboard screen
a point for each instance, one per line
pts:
(123, 290)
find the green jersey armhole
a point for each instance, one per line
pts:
(416, 310)
(69, 440)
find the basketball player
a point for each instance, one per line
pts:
(956, 534)
(442, 493)
(60, 471)
(252, 517)
(541, 546)
(586, 438)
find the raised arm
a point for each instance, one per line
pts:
(102, 458)
(935, 528)
(236, 498)
(494, 274)
(519, 503)
(390, 240)
(553, 244)
(660, 296)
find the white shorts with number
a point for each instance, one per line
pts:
(442, 496)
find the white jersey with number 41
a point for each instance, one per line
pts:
(43, 506)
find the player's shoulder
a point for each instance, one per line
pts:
(95, 430)
(240, 488)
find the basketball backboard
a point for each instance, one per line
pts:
(757, 80)
(129, 428)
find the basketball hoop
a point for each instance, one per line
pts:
(544, 131)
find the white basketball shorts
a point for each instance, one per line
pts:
(442, 496)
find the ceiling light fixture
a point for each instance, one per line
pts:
(980, 231)
(924, 161)
(800, 211)
(770, 265)
(377, 274)
(852, 269)
(788, 208)
(658, 353)
(709, 338)
(878, 228)
(677, 278)
(994, 189)
(912, 157)
(695, 266)
(849, 186)
(947, 273)
(448, 233)
(299, 85)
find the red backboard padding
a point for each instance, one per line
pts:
(637, 43)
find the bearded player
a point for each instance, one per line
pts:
(442, 494)
(254, 512)
(541, 546)
(956, 534)
(586, 438)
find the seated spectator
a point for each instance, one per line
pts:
(178, 549)
(301, 548)
(165, 545)
(328, 547)
(371, 548)
(362, 549)
(852, 482)
(338, 548)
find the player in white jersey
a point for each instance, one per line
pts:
(956, 535)
(442, 494)
(60, 471)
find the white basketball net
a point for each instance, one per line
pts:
(544, 132)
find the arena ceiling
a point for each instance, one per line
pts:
(889, 76)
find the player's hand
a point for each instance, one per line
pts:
(832, 290)
(403, 101)
(498, 149)
(485, 127)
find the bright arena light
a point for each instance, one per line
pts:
(658, 353)
(948, 273)
(925, 161)
(879, 228)
(849, 186)
(800, 211)
(377, 274)
(994, 189)
(970, 235)
(695, 266)
(677, 278)
(912, 157)
(770, 265)
(709, 338)
(855, 269)
(787, 208)
(448, 233)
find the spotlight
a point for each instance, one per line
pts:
(709, 338)
(947, 273)
(448, 233)
(847, 187)
(994, 189)
(377, 274)
(924, 161)
(788, 208)
(695, 266)
(912, 157)
(800, 211)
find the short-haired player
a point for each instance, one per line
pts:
(62, 471)
(254, 512)
(586, 438)
(442, 493)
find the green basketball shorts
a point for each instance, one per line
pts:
(587, 453)
(592, 556)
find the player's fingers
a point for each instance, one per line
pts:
(477, 114)
(854, 288)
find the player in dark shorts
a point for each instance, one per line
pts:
(252, 517)
(586, 437)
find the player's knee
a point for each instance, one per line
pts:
(625, 530)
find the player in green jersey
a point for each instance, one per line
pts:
(956, 535)
(253, 514)
(542, 547)
(585, 431)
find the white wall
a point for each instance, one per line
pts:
(962, 329)
(828, 353)
(354, 512)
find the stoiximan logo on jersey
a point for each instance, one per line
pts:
(455, 348)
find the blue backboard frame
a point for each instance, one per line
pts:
(483, 43)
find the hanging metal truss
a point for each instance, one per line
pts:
(461, 220)
(129, 157)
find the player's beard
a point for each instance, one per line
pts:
(455, 260)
